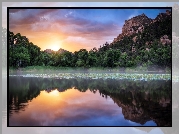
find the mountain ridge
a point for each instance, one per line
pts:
(137, 24)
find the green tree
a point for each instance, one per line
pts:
(19, 56)
(82, 58)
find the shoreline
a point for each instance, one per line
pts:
(32, 69)
(117, 76)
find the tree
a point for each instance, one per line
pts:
(92, 58)
(34, 52)
(82, 55)
(19, 56)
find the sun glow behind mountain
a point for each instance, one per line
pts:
(56, 46)
(72, 29)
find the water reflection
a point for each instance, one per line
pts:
(85, 102)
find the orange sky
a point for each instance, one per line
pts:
(55, 41)
(72, 29)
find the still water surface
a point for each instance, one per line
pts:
(88, 102)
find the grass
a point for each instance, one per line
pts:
(139, 73)
(37, 68)
(52, 68)
(79, 69)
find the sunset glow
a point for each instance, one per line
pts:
(55, 46)
(72, 29)
(54, 93)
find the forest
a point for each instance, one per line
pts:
(121, 54)
(26, 54)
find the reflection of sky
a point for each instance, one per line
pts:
(71, 108)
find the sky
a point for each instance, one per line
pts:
(72, 29)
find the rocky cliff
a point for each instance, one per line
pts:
(137, 24)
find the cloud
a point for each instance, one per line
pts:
(29, 16)
(76, 30)
(69, 14)
(71, 25)
(14, 10)
(89, 28)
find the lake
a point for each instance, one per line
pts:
(79, 101)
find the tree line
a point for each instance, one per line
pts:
(25, 53)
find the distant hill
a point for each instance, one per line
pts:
(60, 51)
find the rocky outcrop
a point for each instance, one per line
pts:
(164, 40)
(134, 39)
(133, 25)
(137, 24)
(163, 16)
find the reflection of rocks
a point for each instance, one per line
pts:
(141, 110)
(164, 102)
(132, 112)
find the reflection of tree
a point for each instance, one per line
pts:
(141, 107)
(21, 91)
(140, 101)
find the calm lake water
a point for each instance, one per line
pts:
(88, 102)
